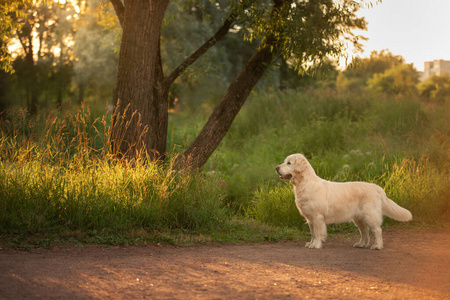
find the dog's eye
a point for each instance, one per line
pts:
(288, 163)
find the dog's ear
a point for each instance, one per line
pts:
(300, 163)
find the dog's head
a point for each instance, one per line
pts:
(293, 167)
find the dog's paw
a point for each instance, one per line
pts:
(360, 245)
(315, 246)
(376, 247)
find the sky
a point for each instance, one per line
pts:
(418, 30)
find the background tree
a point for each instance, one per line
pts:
(357, 74)
(435, 88)
(95, 55)
(304, 32)
(43, 66)
(201, 86)
(10, 12)
(400, 79)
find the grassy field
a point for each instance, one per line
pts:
(400, 143)
(58, 182)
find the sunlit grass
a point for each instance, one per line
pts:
(108, 196)
(58, 174)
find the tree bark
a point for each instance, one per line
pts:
(32, 82)
(141, 114)
(81, 88)
(26, 39)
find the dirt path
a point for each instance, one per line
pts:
(415, 264)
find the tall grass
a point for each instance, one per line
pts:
(57, 174)
(38, 198)
(417, 186)
(346, 137)
(421, 187)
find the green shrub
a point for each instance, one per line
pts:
(435, 88)
(399, 79)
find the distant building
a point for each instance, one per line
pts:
(436, 67)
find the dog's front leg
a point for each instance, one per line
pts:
(311, 230)
(319, 232)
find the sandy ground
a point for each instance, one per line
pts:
(415, 264)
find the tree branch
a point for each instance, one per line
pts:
(223, 30)
(119, 8)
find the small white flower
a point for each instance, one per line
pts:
(346, 168)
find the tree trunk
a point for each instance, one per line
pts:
(196, 155)
(32, 82)
(283, 80)
(141, 114)
(81, 88)
(26, 40)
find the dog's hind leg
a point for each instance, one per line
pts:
(378, 245)
(374, 224)
(364, 231)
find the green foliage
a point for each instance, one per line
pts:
(435, 88)
(106, 196)
(95, 50)
(10, 12)
(400, 79)
(404, 117)
(378, 62)
(355, 77)
(305, 32)
(43, 66)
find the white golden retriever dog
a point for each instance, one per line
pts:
(323, 202)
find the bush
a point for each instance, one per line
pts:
(435, 88)
(400, 79)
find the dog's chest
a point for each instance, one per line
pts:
(303, 199)
(300, 192)
(301, 196)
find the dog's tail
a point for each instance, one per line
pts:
(395, 211)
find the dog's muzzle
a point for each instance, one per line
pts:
(283, 176)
